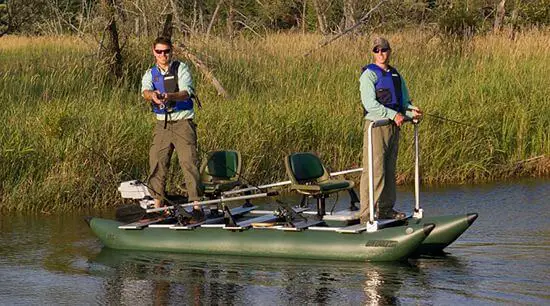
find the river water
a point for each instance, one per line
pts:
(504, 258)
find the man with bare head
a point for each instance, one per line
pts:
(169, 88)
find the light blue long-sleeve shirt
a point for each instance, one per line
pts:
(185, 83)
(375, 109)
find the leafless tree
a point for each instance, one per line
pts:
(349, 13)
(320, 9)
(499, 16)
(111, 51)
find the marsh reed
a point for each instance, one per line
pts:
(70, 134)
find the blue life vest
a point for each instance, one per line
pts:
(168, 83)
(387, 86)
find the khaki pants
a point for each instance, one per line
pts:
(180, 135)
(385, 142)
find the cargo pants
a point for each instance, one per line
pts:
(385, 142)
(180, 135)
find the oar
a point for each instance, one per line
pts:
(283, 183)
(132, 213)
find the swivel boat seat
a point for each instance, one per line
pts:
(309, 177)
(220, 172)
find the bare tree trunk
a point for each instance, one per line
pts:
(136, 27)
(202, 11)
(81, 15)
(194, 21)
(499, 16)
(230, 19)
(112, 50)
(513, 23)
(142, 27)
(177, 19)
(349, 13)
(304, 7)
(321, 18)
(167, 28)
(214, 15)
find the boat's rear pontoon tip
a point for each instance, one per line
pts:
(428, 228)
(471, 217)
(88, 219)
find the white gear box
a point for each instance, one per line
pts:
(134, 190)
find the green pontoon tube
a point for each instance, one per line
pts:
(447, 228)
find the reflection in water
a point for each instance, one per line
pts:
(372, 288)
(165, 278)
(430, 270)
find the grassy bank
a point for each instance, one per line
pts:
(70, 136)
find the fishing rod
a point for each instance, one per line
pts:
(454, 121)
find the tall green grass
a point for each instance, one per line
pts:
(70, 134)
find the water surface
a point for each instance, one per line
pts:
(503, 258)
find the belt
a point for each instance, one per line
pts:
(166, 121)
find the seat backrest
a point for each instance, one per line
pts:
(224, 165)
(305, 167)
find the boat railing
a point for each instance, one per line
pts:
(372, 224)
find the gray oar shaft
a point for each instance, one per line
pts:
(257, 188)
(346, 171)
(215, 201)
(284, 183)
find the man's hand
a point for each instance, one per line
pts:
(417, 114)
(399, 119)
(158, 98)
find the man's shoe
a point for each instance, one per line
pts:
(393, 214)
(214, 212)
(197, 216)
(364, 219)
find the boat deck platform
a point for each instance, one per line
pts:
(265, 220)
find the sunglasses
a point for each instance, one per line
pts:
(383, 50)
(165, 51)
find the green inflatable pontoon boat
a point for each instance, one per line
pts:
(291, 232)
(313, 242)
(258, 234)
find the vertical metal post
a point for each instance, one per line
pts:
(371, 177)
(372, 226)
(418, 212)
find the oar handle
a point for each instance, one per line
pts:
(216, 201)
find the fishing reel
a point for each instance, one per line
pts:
(168, 106)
